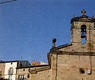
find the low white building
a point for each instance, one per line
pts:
(11, 66)
(10, 70)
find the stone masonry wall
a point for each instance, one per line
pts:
(2, 69)
(42, 75)
(25, 72)
(35, 73)
(72, 67)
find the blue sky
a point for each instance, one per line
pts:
(28, 26)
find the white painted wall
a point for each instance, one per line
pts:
(7, 67)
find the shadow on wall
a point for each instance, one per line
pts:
(3, 79)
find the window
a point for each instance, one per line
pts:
(10, 73)
(21, 77)
(0, 75)
(89, 72)
(23, 69)
(10, 77)
(82, 71)
(83, 34)
(28, 76)
(11, 63)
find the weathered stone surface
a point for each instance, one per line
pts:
(76, 62)
(2, 70)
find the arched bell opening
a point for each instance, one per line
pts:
(83, 34)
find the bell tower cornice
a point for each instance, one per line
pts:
(83, 17)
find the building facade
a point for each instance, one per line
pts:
(2, 70)
(8, 69)
(38, 72)
(23, 73)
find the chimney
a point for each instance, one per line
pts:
(53, 41)
(35, 63)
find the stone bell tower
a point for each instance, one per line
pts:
(83, 29)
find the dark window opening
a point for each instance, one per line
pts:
(21, 77)
(83, 34)
(11, 63)
(0, 75)
(23, 69)
(82, 71)
(28, 76)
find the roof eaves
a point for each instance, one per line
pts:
(32, 66)
(12, 61)
(61, 46)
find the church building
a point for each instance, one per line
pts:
(73, 61)
(76, 60)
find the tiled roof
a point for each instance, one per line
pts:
(33, 66)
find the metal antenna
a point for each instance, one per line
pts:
(2, 2)
(21, 58)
